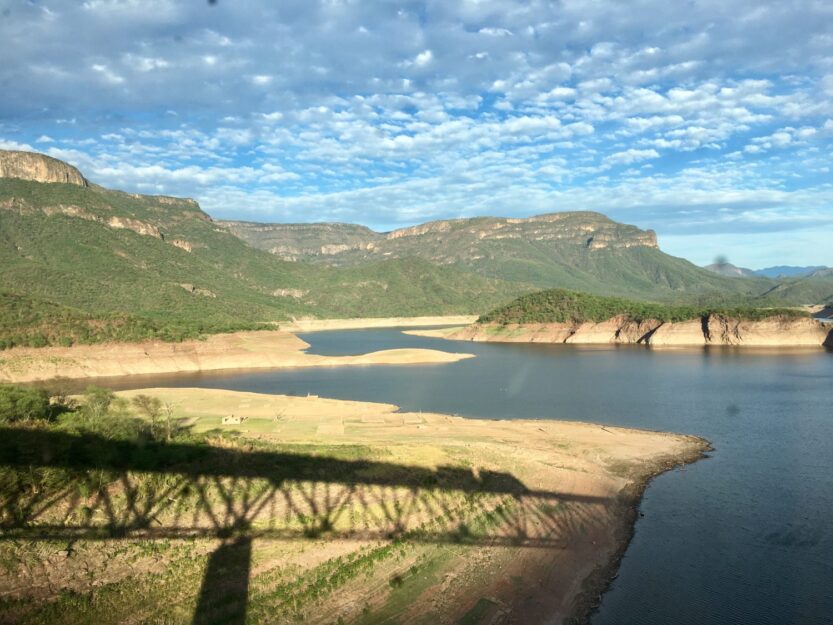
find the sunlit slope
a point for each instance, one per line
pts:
(578, 250)
(104, 252)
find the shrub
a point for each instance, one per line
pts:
(20, 403)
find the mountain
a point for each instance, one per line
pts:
(563, 306)
(81, 263)
(579, 250)
(814, 289)
(788, 271)
(103, 264)
(730, 271)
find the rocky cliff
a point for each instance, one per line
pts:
(710, 330)
(38, 168)
(446, 241)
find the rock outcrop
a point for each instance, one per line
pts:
(718, 330)
(139, 227)
(445, 242)
(38, 168)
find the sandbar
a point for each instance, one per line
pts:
(239, 350)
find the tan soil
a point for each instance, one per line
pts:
(315, 325)
(776, 332)
(221, 351)
(556, 568)
(533, 585)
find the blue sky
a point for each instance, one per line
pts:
(708, 121)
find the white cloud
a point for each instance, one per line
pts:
(107, 74)
(629, 156)
(6, 144)
(382, 113)
(423, 58)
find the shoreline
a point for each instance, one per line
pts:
(801, 334)
(622, 514)
(598, 473)
(239, 350)
(361, 323)
(599, 582)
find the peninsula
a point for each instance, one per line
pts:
(348, 511)
(560, 316)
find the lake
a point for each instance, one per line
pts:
(744, 536)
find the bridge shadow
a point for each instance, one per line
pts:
(64, 486)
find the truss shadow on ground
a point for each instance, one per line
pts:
(62, 486)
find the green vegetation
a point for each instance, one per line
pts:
(67, 276)
(562, 306)
(29, 322)
(83, 265)
(582, 251)
(21, 403)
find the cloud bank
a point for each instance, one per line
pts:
(711, 122)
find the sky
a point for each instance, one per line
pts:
(709, 121)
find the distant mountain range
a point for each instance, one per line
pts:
(579, 250)
(779, 271)
(102, 263)
(583, 251)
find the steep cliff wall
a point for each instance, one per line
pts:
(38, 168)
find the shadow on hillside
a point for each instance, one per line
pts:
(84, 486)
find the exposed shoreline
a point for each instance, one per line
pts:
(718, 331)
(320, 325)
(630, 498)
(546, 562)
(611, 464)
(240, 350)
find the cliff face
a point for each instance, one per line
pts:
(712, 330)
(449, 241)
(38, 168)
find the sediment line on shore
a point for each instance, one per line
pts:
(240, 350)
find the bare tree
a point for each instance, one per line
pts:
(169, 417)
(151, 407)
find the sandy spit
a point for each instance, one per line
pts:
(239, 350)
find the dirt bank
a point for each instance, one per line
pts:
(221, 351)
(316, 325)
(718, 330)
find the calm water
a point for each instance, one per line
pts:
(745, 536)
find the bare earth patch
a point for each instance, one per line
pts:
(444, 520)
(240, 350)
(315, 325)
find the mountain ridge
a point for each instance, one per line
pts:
(79, 262)
(86, 264)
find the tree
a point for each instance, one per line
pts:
(97, 401)
(151, 407)
(19, 403)
(169, 416)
